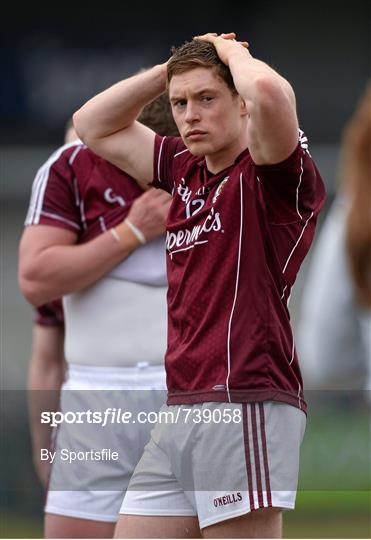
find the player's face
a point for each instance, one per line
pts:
(208, 115)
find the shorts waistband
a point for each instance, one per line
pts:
(109, 371)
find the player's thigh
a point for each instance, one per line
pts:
(129, 526)
(70, 527)
(261, 523)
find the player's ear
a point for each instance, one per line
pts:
(243, 108)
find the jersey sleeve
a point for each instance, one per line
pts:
(54, 197)
(50, 314)
(166, 149)
(292, 190)
(292, 193)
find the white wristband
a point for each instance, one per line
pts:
(115, 234)
(137, 232)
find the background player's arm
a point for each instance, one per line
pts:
(273, 130)
(51, 264)
(106, 123)
(45, 378)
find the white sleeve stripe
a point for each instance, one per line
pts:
(40, 175)
(31, 207)
(296, 244)
(74, 154)
(41, 181)
(159, 160)
(102, 224)
(60, 218)
(36, 194)
(42, 194)
(297, 189)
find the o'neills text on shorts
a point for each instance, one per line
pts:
(230, 498)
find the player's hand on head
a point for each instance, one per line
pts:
(225, 44)
(149, 212)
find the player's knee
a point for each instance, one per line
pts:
(260, 523)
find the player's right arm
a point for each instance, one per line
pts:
(52, 265)
(107, 123)
(51, 261)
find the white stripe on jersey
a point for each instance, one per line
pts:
(34, 196)
(236, 290)
(293, 350)
(60, 218)
(102, 224)
(283, 292)
(82, 214)
(159, 160)
(40, 201)
(40, 183)
(182, 152)
(297, 189)
(297, 242)
(303, 141)
(74, 154)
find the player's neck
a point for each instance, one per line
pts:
(224, 158)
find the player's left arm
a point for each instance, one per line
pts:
(272, 125)
(45, 378)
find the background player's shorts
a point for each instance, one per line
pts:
(218, 461)
(87, 488)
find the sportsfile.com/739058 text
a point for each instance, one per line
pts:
(119, 416)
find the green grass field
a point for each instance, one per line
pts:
(318, 514)
(330, 514)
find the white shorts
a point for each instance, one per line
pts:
(89, 489)
(218, 461)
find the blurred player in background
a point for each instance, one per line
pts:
(334, 331)
(246, 195)
(80, 244)
(47, 368)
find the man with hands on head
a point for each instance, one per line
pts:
(93, 237)
(246, 195)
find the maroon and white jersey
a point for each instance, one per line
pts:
(77, 190)
(235, 242)
(50, 314)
